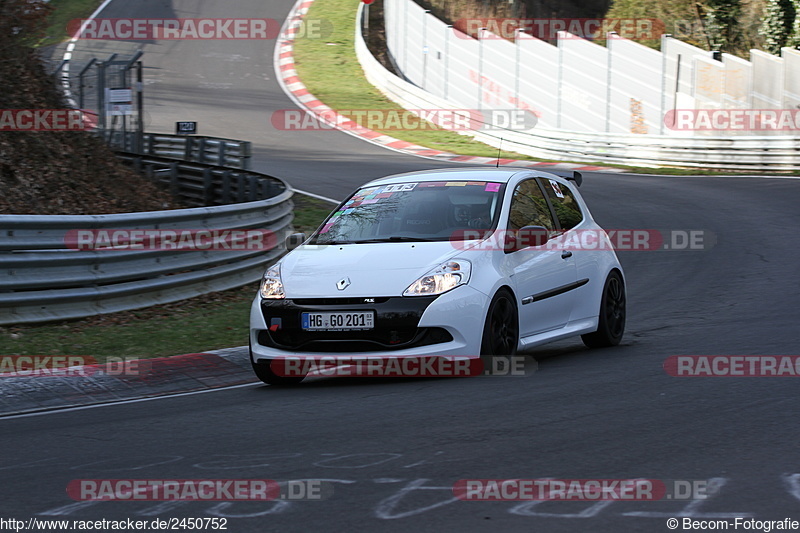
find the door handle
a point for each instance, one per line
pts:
(566, 254)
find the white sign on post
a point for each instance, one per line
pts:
(119, 101)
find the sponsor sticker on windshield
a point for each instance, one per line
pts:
(556, 188)
(399, 187)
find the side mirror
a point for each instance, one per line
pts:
(525, 237)
(294, 240)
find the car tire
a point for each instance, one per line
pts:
(611, 319)
(501, 328)
(265, 373)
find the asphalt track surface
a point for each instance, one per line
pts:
(392, 449)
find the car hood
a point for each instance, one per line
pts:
(380, 269)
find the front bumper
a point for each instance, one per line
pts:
(449, 324)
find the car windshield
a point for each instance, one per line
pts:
(415, 211)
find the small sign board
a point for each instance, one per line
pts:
(185, 128)
(119, 101)
(120, 96)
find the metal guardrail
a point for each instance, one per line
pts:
(42, 278)
(757, 153)
(204, 185)
(207, 150)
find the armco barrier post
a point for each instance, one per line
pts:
(226, 187)
(241, 186)
(173, 178)
(208, 186)
(188, 149)
(201, 150)
(221, 161)
(253, 189)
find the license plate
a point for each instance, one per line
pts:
(341, 321)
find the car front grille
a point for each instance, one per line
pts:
(396, 325)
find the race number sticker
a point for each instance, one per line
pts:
(399, 187)
(556, 188)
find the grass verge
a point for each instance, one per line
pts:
(63, 12)
(330, 70)
(208, 322)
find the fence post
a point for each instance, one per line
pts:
(81, 100)
(609, 76)
(517, 53)
(140, 106)
(663, 82)
(405, 39)
(101, 98)
(221, 157)
(480, 68)
(448, 30)
(560, 82)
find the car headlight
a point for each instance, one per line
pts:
(271, 284)
(441, 279)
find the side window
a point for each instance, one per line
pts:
(529, 207)
(564, 203)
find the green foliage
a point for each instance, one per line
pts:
(794, 38)
(677, 17)
(722, 23)
(22, 23)
(777, 24)
(731, 26)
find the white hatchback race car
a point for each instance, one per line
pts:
(457, 262)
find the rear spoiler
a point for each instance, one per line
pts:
(576, 177)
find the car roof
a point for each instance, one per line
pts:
(501, 175)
